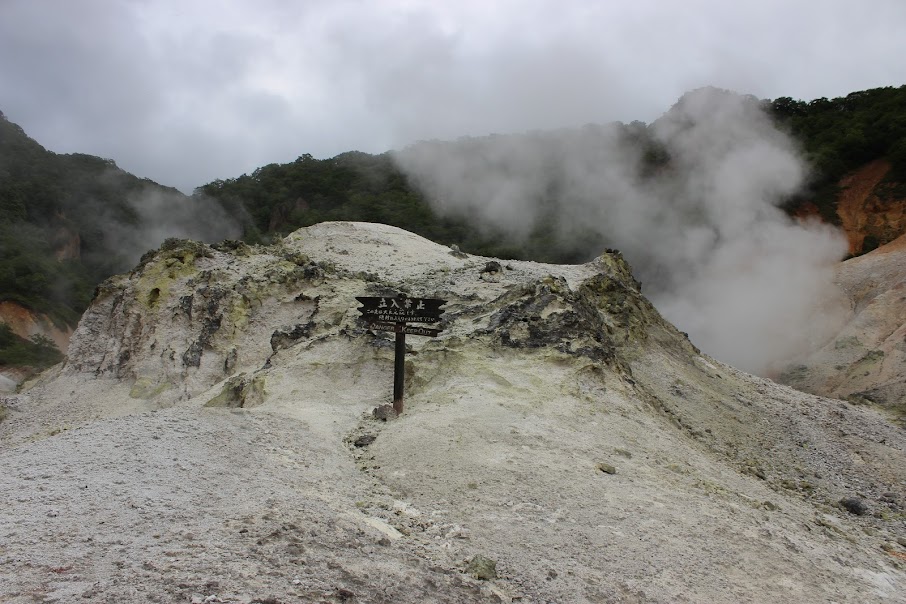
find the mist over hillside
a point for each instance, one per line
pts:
(693, 199)
(69, 221)
(702, 230)
(700, 201)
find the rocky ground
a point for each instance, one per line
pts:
(865, 363)
(211, 439)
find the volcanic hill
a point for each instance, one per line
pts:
(211, 438)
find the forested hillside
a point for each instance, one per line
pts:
(66, 223)
(51, 232)
(837, 136)
(279, 198)
(840, 135)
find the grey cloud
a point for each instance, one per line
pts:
(187, 92)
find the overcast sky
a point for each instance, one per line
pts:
(187, 91)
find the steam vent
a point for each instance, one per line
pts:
(212, 438)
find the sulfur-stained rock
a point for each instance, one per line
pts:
(482, 568)
(240, 391)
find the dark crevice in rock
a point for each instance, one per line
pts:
(286, 337)
(185, 305)
(192, 356)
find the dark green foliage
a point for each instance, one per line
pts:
(31, 275)
(38, 352)
(842, 134)
(50, 201)
(279, 198)
(870, 243)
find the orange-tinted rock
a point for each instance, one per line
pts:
(67, 244)
(806, 211)
(26, 323)
(864, 215)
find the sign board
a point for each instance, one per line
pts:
(401, 310)
(392, 313)
(416, 330)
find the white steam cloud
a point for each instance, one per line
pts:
(703, 233)
(172, 215)
(149, 216)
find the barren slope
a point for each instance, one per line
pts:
(866, 361)
(558, 426)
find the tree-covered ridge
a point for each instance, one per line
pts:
(45, 197)
(68, 221)
(837, 136)
(279, 198)
(840, 135)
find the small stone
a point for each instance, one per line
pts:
(364, 440)
(482, 568)
(384, 412)
(491, 272)
(492, 267)
(456, 252)
(901, 541)
(854, 505)
(606, 468)
(757, 472)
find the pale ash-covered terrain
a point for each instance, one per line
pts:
(865, 362)
(211, 439)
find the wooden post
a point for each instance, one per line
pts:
(394, 313)
(399, 371)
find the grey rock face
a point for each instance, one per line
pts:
(191, 314)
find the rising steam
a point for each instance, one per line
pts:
(702, 231)
(157, 214)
